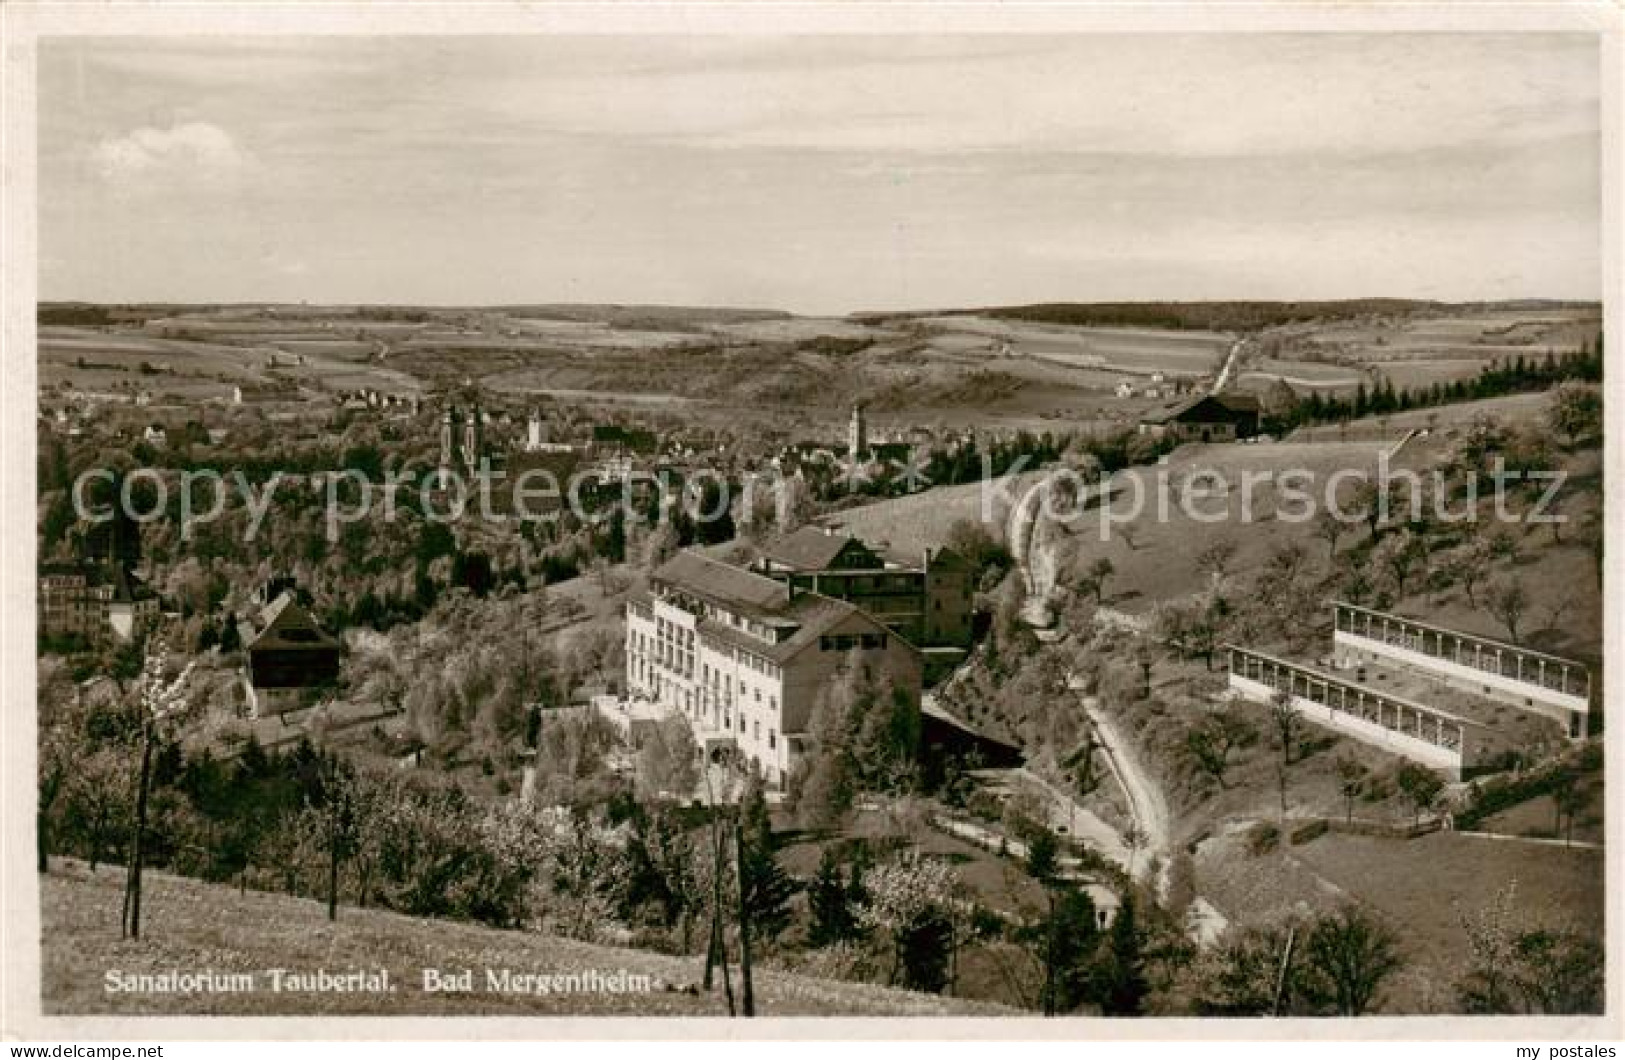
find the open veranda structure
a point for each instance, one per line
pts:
(1531, 680)
(1429, 735)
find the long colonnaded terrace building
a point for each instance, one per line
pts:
(96, 602)
(1534, 681)
(1451, 700)
(744, 658)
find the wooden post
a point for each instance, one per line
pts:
(1280, 979)
(749, 998)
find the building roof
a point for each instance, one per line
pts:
(1231, 402)
(809, 548)
(128, 589)
(285, 624)
(807, 615)
(71, 568)
(811, 615)
(724, 583)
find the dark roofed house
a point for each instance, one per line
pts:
(1222, 417)
(288, 656)
(814, 548)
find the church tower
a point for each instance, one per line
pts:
(448, 439)
(857, 433)
(472, 439)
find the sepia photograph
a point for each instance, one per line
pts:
(847, 520)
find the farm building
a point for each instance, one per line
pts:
(288, 656)
(1206, 418)
(1456, 702)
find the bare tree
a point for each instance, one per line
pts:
(1420, 786)
(1215, 559)
(1508, 601)
(1099, 572)
(1568, 799)
(1351, 782)
(1288, 720)
(1330, 528)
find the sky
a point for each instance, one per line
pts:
(819, 174)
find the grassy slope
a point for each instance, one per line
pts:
(1419, 887)
(189, 925)
(905, 526)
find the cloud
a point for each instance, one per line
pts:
(192, 151)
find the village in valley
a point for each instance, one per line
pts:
(869, 665)
(1054, 522)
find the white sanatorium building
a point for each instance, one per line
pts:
(744, 657)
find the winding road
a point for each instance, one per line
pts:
(1146, 804)
(1229, 365)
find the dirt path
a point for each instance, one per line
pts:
(1146, 803)
(1080, 822)
(1037, 576)
(1229, 365)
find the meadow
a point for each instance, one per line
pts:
(191, 925)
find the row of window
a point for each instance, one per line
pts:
(863, 583)
(726, 720)
(668, 630)
(849, 641)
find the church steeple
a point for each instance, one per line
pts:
(857, 433)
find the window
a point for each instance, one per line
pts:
(772, 738)
(756, 730)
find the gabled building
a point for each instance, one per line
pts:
(745, 658)
(1222, 417)
(930, 604)
(94, 602)
(289, 656)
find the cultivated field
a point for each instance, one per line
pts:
(1121, 350)
(963, 370)
(188, 369)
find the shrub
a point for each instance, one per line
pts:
(1262, 838)
(1308, 833)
